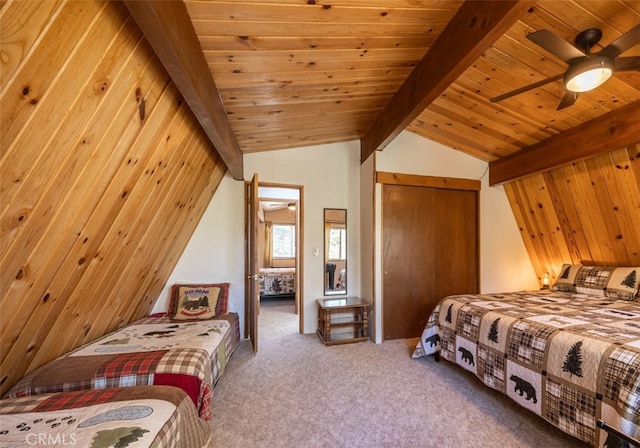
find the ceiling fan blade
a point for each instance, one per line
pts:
(623, 43)
(555, 45)
(526, 88)
(627, 63)
(568, 99)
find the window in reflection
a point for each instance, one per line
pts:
(335, 251)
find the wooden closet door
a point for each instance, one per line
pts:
(430, 250)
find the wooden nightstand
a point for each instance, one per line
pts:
(343, 320)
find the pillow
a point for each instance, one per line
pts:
(623, 283)
(593, 280)
(198, 301)
(566, 281)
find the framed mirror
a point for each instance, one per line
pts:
(335, 251)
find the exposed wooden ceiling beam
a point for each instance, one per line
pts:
(167, 27)
(609, 132)
(474, 28)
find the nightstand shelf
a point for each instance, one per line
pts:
(343, 320)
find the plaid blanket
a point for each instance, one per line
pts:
(195, 370)
(157, 416)
(570, 358)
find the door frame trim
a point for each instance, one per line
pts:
(413, 180)
(438, 182)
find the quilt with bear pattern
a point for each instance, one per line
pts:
(275, 282)
(570, 358)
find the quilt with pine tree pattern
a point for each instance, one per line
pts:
(570, 358)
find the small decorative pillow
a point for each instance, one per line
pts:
(566, 281)
(593, 280)
(198, 301)
(624, 283)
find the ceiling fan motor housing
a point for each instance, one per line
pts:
(587, 39)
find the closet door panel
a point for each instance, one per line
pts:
(430, 250)
(455, 245)
(407, 259)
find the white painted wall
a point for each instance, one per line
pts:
(215, 253)
(504, 262)
(330, 175)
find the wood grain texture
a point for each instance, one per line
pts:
(324, 70)
(512, 62)
(453, 183)
(585, 211)
(474, 28)
(97, 203)
(167, 26)
(21, 26)
(430, 250)
(603, 134)
(293, 73)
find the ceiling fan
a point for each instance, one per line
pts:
(586, 70)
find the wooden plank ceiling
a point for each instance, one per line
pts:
(303, 72)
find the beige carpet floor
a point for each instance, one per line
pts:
(296, 392)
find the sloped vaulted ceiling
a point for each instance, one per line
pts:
(105, 172)
(293, 73)
(299, 72)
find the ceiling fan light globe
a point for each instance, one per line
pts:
(588, 75)
(589, 80)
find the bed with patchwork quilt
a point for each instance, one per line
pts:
(570, 354)
(189, 354)
(144, 416)
(277, 283)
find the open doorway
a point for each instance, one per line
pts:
(280, 231)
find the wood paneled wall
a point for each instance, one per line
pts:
(104, 175)
(587, 211)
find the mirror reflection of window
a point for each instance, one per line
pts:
(337, 242)
(335, 251)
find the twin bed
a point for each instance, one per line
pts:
(144, 416)
(570, 355)
(119, 382)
